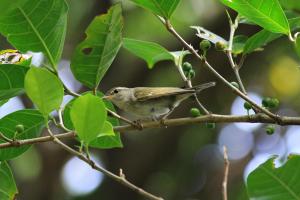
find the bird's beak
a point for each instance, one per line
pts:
(107, 97)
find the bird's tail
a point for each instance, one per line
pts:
(204, 86)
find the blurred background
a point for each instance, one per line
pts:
(178, 163)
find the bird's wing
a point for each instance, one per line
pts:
(146, 93)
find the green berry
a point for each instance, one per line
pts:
(247, 106)
(19, 128)
(274, 103)
(270, 129)
(235, 84)
(266, 102)
(210, 125)
(220, 46)
(205, 45)
(195, 112)
(187, 67)
(191, 74)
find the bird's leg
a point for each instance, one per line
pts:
(163, 119)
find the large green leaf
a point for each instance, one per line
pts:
(266, 13)
(8, 188)
(88, 115)
(44, 89)
(37, 25)
(263, 37)
(33, 122)
(297, 44)
(8, 5)
(164, 8)
(270, 183)
(104, 141)
(11, 80)
(95, 54)
(149, 51)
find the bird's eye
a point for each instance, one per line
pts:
(116, 91)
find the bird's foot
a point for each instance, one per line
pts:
(138, 124)
(163, 122)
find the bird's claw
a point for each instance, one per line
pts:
(137, 124)
(163, 122)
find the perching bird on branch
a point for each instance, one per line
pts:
(152, 102)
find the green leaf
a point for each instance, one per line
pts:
(149, 51)
(270, 183)
(103, 142)
(33, 122)
(95, 54)
(239, 42)
(44, 89)
(297, 45)
(8, 188)
(8, 5)
(164, 8)
(263, 37)
(11, 80)
(267, 14)
(37, 25)
(88, 115)
(290, 4)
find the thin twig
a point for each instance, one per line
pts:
(233, 26)
(226, 173)
(171, 29)
(6, 139)
(121, 179)
(212, 118)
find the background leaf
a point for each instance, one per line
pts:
(297, 44)
(290, 4)
(263, 37)
(8, 188)
(164, 8)
(88, 115)
(11, 80)
(103, 142)
(149, 51)
(33, 122)
(7, 5)
(44, 89)
(95, 54)
(37, 25)
(266, 13)
(270, 183)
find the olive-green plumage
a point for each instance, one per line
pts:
(151, 102)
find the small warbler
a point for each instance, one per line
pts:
(151, 102)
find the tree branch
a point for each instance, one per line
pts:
(226, 173)
(171, 29)
(212, 118)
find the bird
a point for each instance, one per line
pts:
(156, 103)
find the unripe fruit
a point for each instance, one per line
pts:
(195, 112)
(205, 45)
(270, 129)
(247, 106)
(220, 46)
(274, 103)
(191, 74)
(235, 84)
(210, 125)
(187, 67)
(266, 102)
(19, 128)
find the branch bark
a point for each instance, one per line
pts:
(212, 118)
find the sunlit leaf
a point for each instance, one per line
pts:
(11, 80)
(44, 89)
(8, 188)
(95, 54)
(37, 25)
(266, 13)
(164, 8)
(88, 115)
(33, 122)
(270, 183)
(149, 51)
